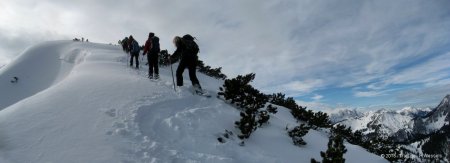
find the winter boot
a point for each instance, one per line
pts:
(198, 89)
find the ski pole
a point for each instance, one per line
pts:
(171, 70)
(128, 58)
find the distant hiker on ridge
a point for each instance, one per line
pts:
(134, 49)
(124, 43)
(152, 49)
(129, 44)
(187, 50)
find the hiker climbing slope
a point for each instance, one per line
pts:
(134, 50)
(187, 51)
(152, 49)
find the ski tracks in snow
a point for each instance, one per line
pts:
(156, 128)
(165, 126)
(176, 124)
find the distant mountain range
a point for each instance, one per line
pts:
(412, 127)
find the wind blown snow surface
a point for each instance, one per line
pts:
(81, 102)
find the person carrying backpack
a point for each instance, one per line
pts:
(134, 51)
(129, 44)
(152, 49)
(124, 43)
(187, 50)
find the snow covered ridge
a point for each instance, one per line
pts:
(81, 102)
(37, 69)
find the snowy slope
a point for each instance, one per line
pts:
(80, 102)
(38, 68)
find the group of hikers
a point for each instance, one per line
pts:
(186, 51)
(82, 39)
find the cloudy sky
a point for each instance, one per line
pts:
(349, 53)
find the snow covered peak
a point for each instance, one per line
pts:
(339, 115)
(445, 102)
(436, 118)
(414, 111)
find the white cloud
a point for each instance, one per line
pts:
(297, 47)
(430, 71)
(317, 97)
(367, 93)
(314, 105)
(423, 97)
(297, 88)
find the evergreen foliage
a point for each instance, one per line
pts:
(319, 119)
(345, 132)
(263, 117)
(212, 72)
(438, 143)
(375, 145)
(272, 109)
(316, 120)
(381, 146)
(297, 134)
(247, 124)
(164, 58)
(335, 151)
(239, 92)
(279, 99)
(356, 138)
(300, 113)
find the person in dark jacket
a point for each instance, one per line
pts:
(134, 51)
(186, 51)
(124, 43)
(152, 49)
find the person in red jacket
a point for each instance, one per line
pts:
(152, 49)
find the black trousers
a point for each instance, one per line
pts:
(134, 56)
(191, 65)
(152, 64)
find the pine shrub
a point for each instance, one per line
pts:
(164, 58)
(319, 119)
(239, 92)
(272, 109)
(297, 134)
(212, 72)
(300, 113)
(247, 124)
(263, 117)
(335, 151)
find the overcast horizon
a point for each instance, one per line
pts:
(326, 54)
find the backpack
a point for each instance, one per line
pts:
(135, 47)
(155, 45)
(190, 45)
(188, 37)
